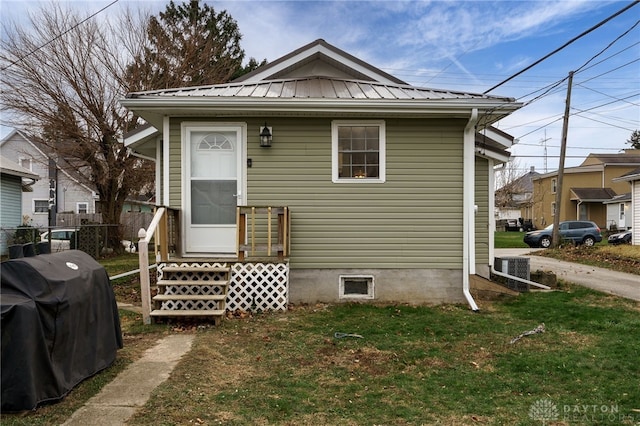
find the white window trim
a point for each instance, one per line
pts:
(381, 152)
(370, 287)
(34, 205)
(554, 185)
(21, 161)
(81, 203)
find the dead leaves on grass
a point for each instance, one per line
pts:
(368, 360)
(619, 258)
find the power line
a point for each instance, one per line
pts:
(553, 156)
(570, 147)
(615, 54)
(607, 95)
(602, 122)
(21, 58)
(582, 68)
(612, 70)
(598, 25)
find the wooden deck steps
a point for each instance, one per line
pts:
(192, 291)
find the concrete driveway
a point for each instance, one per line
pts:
(605, 280)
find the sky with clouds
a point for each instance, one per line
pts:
(468, 46)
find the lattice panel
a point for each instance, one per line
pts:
(252, 287)
(259, 286)
(193, 275)
(190, 305)
(193, 290)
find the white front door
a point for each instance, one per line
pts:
(213, 187)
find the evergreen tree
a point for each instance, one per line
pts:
(634, 139)
(187, 45)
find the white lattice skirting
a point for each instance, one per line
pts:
(253, 287)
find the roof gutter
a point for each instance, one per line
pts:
(468, 207)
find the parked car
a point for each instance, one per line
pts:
(61, 240)
(577, 231)
(620, 237)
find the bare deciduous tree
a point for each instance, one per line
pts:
(62, 76)
(508, 184)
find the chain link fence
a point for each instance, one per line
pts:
(92, 239)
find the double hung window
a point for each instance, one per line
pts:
(40, 206)
(358, 150)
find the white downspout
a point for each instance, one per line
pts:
(468, 207)
(158, 169)
(492, 210)
(165, 163)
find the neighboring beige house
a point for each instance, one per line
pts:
(586, 189)
(633, 179)
(389, 186)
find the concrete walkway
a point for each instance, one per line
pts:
(604, 280)
(131, 389)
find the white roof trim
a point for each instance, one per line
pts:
(628, 178)
(12, 168)
(498, 136)
(318, 48)
(141, 136)
(486, 153)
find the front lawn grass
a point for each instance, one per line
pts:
(414, 365)
(509, 240)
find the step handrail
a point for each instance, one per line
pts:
(143, 256)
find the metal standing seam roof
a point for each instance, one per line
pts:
(316, 88)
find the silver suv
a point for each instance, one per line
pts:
(577, 231)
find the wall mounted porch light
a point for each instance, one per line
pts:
(265, 136)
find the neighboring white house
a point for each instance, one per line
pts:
(14, 182)
(70, 194)
(633, 177)
(514, 201)
(619, 212)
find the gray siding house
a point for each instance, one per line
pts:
(387, 184)
(71, 195)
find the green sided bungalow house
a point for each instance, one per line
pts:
(320, 178)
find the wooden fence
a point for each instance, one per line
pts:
(131, 222)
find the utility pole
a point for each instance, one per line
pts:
(555, 239)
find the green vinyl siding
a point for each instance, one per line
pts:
(410, 221)
(175, 166)
(482, 216)
(413, 220)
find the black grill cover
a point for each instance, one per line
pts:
(60, 325)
